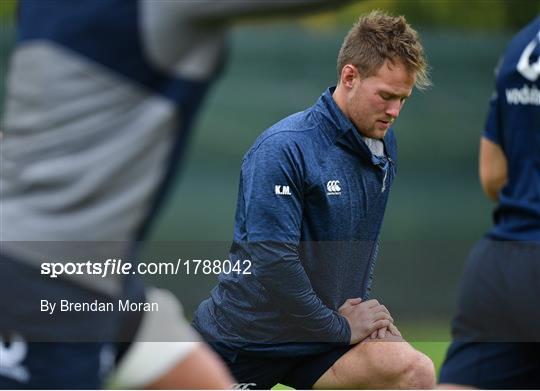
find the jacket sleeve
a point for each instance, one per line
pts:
(273, 190)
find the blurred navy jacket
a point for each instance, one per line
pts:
(310, 207)
(513, 123)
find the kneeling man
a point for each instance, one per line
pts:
(313, 190)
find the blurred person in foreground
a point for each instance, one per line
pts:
(496, 331)
(101, 97)
(313, 191)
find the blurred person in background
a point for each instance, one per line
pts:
(313, 192)
(496, 331)
(100, 99)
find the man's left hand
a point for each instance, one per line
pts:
(382, 332)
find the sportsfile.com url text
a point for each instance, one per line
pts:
(115, 267)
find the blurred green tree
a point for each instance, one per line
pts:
(7, 10)
(441, 14)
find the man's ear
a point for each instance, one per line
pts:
(348, 73)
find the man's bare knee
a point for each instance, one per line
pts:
(420, 374)
(380, 364)
(402, 366)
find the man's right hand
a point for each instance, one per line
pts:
(365, 317)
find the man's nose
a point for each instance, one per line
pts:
(393, 108)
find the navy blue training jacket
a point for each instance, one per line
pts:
(310, 207)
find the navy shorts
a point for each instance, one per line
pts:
(493, 365)
(74, 350)
(254, 371)
(496, 331)
(46, 365)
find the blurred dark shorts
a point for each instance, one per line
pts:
(492, 365)
(66, 350)
(496, 331)
(50, 365)
(253, 371)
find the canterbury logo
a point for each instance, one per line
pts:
(282, 190)
(333, 188)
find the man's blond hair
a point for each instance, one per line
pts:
(377, 37)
